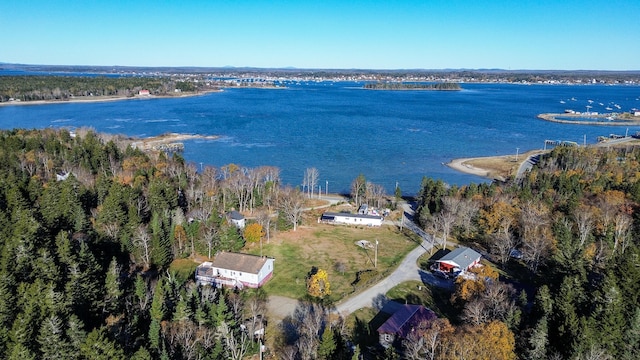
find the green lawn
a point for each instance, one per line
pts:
(333, 249)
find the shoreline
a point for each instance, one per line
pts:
(98, 99)
(607, 119)
(154, 142)
(498, 167)
(463, 166)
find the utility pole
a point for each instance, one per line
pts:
(517, 151)
(326, 187)
(375, 261)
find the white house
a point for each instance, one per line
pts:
(351, 219)
(235, 270)
(237, 219)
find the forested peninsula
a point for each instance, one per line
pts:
(52, 88)
(445, 86)
(99, 241)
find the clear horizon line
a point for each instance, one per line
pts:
(285, 68)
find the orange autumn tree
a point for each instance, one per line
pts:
(253, 233)
(468, 287)
(488, 341)
(318, 283)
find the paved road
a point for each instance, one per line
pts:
(527, 165)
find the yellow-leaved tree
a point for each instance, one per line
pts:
(318, 283)
(253, 233)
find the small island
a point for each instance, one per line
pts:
(444, 86)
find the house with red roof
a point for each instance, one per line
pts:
(457, 261)
(406, 320)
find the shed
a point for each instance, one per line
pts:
(237, 219)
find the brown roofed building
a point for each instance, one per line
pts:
(235, 270)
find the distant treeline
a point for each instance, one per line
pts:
(30, 88)
(412, 86)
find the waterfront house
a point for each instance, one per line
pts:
(235, 270)
(351, 219)
(406, 320)
(144, 92)
(457, 261)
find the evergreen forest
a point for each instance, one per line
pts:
(43, 87)
(95, 235)
(564, 243)
(89, 228)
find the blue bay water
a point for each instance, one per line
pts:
(342, 130)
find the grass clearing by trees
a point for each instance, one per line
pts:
(332, 248)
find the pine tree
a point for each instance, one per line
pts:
(76, 335)
(161, 254)
(631, 338)
(98, 346)
(113, 290)
(21, 352)
(157, 313)
(53, 345)
(7, 309)
(538, 341)
(327, 347)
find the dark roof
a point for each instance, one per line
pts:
(405, 319)
(246, 263)
(332, 215)
(234, 215)
(462, 256)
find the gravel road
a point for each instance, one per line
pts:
(374, 296)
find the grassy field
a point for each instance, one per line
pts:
(184, 268)
(332, 248)
(500, 166)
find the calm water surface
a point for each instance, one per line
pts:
(342, 130)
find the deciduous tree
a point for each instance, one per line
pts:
(291, 203)
(318, 283)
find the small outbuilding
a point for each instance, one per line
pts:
(237, 219)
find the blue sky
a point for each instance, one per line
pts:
(429, 34)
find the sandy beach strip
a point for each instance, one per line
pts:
(97, 99)
(462, 165)
(170, 138)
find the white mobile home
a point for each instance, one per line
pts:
(351, 219)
